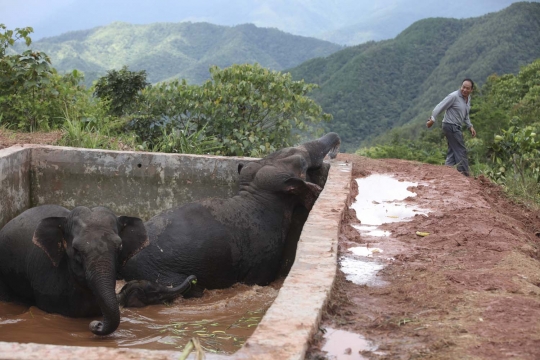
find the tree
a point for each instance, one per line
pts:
(121, 88)
(249, 110)
(22, 79)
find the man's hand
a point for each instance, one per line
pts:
(430, 123)
(473, 132)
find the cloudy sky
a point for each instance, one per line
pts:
(301, 17)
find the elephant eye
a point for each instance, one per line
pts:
(77, 255)
(120, 247)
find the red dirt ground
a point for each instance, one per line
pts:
(469, 290)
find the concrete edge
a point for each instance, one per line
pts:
(293, 318)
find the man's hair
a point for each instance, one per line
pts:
(467, 79)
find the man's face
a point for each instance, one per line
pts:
(466, 88)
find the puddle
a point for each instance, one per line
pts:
(365, 251)
(378, 199)
(345, 345)
(371, 230)
(221, 319)
(361, 272)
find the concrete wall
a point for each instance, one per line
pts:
(90, 177)
(130, 183)
(14, 182)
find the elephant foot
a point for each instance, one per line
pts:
(139, 293)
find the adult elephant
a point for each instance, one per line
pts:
(239, 239)
(66, 261)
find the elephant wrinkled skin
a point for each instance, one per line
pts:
(239, 239)
(66, 262)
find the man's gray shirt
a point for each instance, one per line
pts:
(457, 110)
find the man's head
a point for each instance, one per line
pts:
(467, 86)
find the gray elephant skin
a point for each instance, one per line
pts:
(66, 262)
(240, 239)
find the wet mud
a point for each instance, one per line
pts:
(222, 320)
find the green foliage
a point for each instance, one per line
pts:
(21, 72)
(186, 142)
(184, 50)
(254, 110)
(33, 96)
(375, 87)
(517, 147)
(121, 89)
(88, 134)
(430, 148)
(248, 109)
(24, 79)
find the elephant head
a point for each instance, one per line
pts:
(94, 243)
(285, 178)
(313, 152)
(295, 171)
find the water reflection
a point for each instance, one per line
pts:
(345, 345)
(361, 272)
(378, 199)
(221, 319)
(371, 230)
(365, 251)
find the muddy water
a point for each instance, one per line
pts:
(380, 200)
(221, 319)
(345, 345)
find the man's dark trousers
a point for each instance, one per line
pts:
(457, 152)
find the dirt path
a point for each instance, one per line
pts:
(469, 290)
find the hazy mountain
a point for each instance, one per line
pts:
(340, 21)
(376, 86)
(178, 50)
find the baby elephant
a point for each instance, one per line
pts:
(66, 262)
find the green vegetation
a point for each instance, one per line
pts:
(380, 94)
(373, 88)
(168, 51)
(121, 88)
(244, 110)
(506, 116)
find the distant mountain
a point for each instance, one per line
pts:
(348, 22)
(376, 86)
(178, 50)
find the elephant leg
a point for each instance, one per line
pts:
(139, 293)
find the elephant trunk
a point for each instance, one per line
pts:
(102, 282)
(318, 149)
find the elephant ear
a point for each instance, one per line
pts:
(133, 235)
(49, 237)
(306, 191)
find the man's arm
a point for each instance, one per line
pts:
(442, 106)
(469, 125)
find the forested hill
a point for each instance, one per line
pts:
(376, 86)
(178, 50)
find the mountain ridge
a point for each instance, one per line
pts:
(178, 50)
(374, 87)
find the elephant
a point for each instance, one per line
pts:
(66, 262)
(239, 239)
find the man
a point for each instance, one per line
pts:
(457, 106)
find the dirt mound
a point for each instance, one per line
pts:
(9, 138)
(470, 289)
